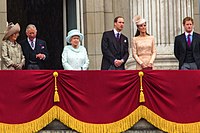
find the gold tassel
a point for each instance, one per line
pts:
(142, 98)
(56, 96)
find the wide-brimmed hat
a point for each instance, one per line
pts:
(72, 33)
(138, 20)
(11, 29)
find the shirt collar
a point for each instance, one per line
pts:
(115, 32)
(191, 33)
(31, 41)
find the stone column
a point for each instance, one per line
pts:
(197, 15)
(3, 20)
(94, 24)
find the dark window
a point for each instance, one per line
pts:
(47, 15)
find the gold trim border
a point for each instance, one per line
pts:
(116, 127)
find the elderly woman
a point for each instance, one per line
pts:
(12, 56)
(143, 46)
(74, 56)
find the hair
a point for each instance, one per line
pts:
(116, 18)
(188, 19)
(138, 33)
(31, 26)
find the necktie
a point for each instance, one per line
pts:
(188, 40)
(118, 37)
(32, 44)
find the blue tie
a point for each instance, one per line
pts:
(118, 36)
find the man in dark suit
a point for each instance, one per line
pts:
(34, 49)
(187, 47)
(114, 46)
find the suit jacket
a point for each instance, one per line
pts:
(40, 47)
(180, 45)
(110, 49)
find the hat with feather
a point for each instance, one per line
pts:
(11, 29)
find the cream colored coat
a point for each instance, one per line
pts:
(11, 54)
(143, 50)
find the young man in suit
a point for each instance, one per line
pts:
(114, 46)
(187, 47)
(34, 49)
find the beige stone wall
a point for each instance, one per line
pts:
(197, 15)
(93, 13)
(98, 17)
(3, 16)
(3, 20)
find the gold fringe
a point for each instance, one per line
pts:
(56, 96)
(32, 126)
(168, 126)
(142, 98)
(127, 122)
(116, 127)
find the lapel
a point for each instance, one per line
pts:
(27, 44)
(194, 41)
(27, 48)
(112, 35)
(36, 44)
(122, 39)
(183, 39)
(37, 47)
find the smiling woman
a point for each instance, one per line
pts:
(74, 56)
(12, 56)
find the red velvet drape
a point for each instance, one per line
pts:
(25, 95)
(99, 97)
(173, 95)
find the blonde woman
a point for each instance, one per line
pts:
(12, 55)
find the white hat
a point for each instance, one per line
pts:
(74, 32)
(11, 29)
(138, 20)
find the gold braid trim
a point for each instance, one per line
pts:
(116, 127)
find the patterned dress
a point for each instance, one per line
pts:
(11, 54)
(144, 50)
